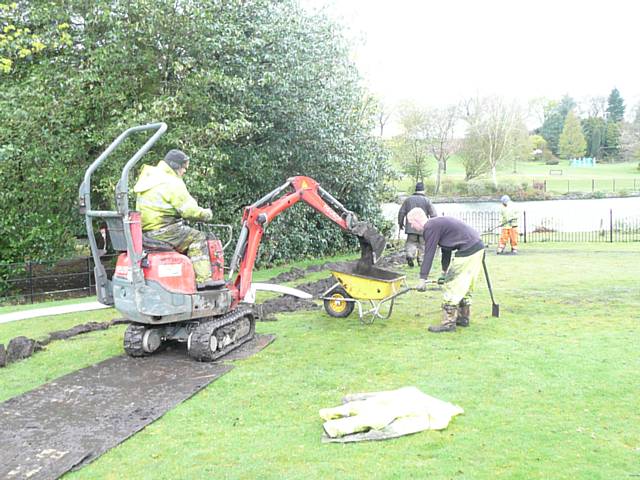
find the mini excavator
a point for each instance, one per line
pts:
(154, 286)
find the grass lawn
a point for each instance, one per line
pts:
(579, 178)
(550, 389)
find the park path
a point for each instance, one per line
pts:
(47, 311)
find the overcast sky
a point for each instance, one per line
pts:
(438, 52)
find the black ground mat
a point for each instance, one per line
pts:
(76, 418)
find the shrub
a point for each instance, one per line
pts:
(552, 161)
(476, 189)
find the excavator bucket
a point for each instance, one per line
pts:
(372, 242)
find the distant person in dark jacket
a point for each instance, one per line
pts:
(415, 244)
(461, 272)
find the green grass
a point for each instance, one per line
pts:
(579, 178)
(550, 389)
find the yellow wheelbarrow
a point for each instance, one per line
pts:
(354, 286)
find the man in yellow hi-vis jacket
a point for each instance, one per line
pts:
(510, 214)
(163, 201)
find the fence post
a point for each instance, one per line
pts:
(31, 280)
(524, 214)
(89, 274)
(610, 225)
(545, 186)
(614, 184)
(593, 185)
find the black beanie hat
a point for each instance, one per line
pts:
(419, 187)
(176, 159)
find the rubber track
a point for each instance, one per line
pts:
(133, 340)
(200, 336)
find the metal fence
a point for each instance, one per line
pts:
(31, 282)
(553, 229)
(576, 185)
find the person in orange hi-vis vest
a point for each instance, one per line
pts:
(510, 215)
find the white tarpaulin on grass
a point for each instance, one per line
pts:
(383, 415)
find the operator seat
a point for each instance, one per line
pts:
(153, 245)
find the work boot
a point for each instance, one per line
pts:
(449, 315)
(410, 262)
(464, 313)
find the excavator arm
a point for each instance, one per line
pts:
(257, 216)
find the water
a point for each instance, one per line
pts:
(572, 215)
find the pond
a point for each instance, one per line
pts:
(572, 215)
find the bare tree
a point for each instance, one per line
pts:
(384, 114)
(597, 106)
(439, 126)
(414, 147)
(630, 138)
(495, 134)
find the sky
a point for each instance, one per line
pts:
(440, 52)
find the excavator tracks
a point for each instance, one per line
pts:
(214, 337)
(133, 337)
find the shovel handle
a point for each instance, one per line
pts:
(495, 311)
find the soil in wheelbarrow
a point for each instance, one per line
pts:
(365, 270)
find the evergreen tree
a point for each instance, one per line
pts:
(554, 116)
(572, 143)
(615, 106)
(593, 129)
(612, 141)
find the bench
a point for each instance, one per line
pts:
(555, 171)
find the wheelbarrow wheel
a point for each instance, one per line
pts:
(336, 305)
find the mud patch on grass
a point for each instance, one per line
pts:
(71, 421)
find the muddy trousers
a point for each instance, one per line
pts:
(460, 279)
(414, 246)
(190, 242)
(508, 234)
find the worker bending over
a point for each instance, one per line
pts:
(461, 271)
(163, 202)
(510, 214)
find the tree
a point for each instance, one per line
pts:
(255, 92)
(554, 115)
(495, 135)
(572, 143)
(439, 129)
(630, 141)
(615, 106)
(383, 115)
(538, 148)
(413, 143)
(612, 140)
(593, 129)
(597, 107)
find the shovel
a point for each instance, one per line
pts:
(495, 308)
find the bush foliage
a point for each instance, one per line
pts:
(254, 91)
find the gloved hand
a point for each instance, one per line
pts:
(441, 278)
(207, 214)
(422, 285)
(400, 227)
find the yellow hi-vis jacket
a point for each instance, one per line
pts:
(163, 198)
(510, 214)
